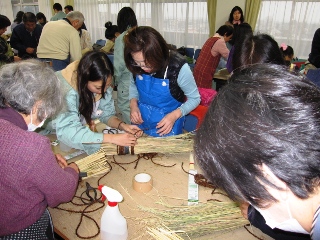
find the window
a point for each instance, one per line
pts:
(292, 22)
(25, 6)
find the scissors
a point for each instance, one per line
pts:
(89, 191)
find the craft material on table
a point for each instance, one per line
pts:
(173, 144)
(193, 190)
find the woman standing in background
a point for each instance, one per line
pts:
(122, 76)
(210, 55)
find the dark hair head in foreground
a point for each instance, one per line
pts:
(264, 116)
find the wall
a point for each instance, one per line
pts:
(224, 8)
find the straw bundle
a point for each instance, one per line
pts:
(163, 233)
(173, 144)
(200, 220)
(94, 164)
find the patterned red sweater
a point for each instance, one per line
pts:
(206, 64)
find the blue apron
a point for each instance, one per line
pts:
(155, 102)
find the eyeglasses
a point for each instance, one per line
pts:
(139, 65)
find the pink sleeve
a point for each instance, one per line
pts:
(220, 47)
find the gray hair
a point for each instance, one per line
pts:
(75, 15)
(24, 83)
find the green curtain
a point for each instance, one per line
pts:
(212, 9)
(69, 2)
(51, 4)
(252, 12)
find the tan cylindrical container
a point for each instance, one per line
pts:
(142, 182)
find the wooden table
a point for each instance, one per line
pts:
(221, 78)
(170, 186)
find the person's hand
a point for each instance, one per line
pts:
(123, 139)
(244, 209)
(30, 50)
(133, 129)
(74, 166)
(16, 59)
(135, 115)
(166, 124)
(61, 161)
(93, 127)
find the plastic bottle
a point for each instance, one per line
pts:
(113, 224)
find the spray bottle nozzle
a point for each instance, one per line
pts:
(103, 197)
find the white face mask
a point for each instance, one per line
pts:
(32, 127)
(280, 220)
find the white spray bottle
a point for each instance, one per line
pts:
(113, 224)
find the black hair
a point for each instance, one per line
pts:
(240, 32)
(69, 7)
(29, 17)
(126, 19)
(236, 8)
(225, 30)
(110, 30)
(4, 21)
(288, 52)
(151, 43)
(40, 15)
(260, 48)
(18, 18)
(57, 6)
(93, 66)
(264, 115)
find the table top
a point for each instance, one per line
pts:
(170, 187)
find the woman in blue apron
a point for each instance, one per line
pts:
(164, 89)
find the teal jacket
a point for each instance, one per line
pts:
(69, 128)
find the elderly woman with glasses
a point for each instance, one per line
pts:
(163, 82)
(31, 176)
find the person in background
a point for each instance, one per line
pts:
(111, 35)
(236, 17)
(41, 18)
(163, 82)
(31, 176)
(60, 42)
(85, 41)
(287, 53)
(210, 55)
(259, 48)
(17, 20)
(89, 97)
(25, 37)
(68, 8)
(59, 14)
(256, 152)
(6, 53)
(314, 56)
(122, 76)
(238, 36)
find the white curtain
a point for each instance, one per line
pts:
(45, 7)
(6, 9)
(181, 22)
(292, 22)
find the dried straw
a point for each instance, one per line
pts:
(94, 164)
(199, 220)
(173, 144)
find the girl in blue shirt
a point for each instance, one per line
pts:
(89, 97)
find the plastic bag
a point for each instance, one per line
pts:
(207, 95)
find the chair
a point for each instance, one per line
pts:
(189, 52)
(111, 57)
(314, 76)
(196, 53)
